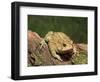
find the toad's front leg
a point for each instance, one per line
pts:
(53, 52)
(46, 39)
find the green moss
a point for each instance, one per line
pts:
(75, 27)
(80, 59)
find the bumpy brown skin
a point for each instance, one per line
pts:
(59, 43)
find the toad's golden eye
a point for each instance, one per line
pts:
(64, 45)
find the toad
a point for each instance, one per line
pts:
(59, 44)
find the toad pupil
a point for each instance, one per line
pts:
(64, 45)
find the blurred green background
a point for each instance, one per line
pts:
(74, 27)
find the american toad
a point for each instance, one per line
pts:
(58, 43)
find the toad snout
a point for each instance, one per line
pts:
(66, 51)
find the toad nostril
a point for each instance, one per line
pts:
(64, 45)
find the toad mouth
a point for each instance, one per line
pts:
(66, 55)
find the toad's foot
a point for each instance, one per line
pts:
(42, 43)
(58, 57)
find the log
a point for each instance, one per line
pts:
(40, 56)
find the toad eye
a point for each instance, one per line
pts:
(64, 45)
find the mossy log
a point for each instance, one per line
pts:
(41, 56)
